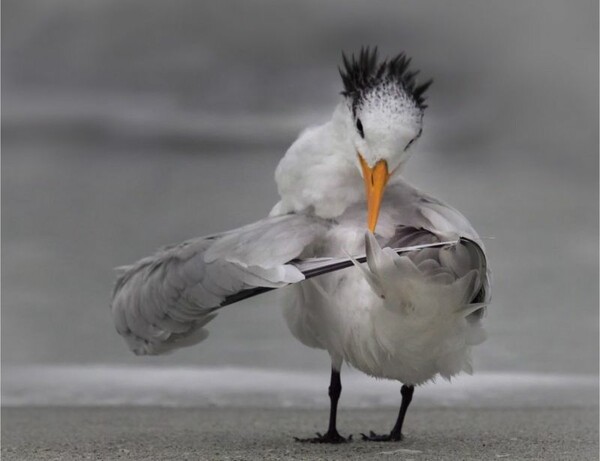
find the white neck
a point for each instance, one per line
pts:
(318, 172)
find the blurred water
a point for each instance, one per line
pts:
(68, 385)
(129, 125)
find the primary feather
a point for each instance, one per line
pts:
(164, 301)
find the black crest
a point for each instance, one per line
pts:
(364, 72)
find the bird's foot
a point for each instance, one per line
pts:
(329, 437)
(372, 437)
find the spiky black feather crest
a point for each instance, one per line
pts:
(364, 72)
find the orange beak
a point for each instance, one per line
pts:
(375, 180)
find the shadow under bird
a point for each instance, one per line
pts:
(411, 313)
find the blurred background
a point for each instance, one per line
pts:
(128, 125)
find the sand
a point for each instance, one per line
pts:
(153, 433)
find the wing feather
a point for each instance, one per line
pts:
(463, 263)
(163, 302)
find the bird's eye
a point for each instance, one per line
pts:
(414, 139)
(359, 127)
(410, 143)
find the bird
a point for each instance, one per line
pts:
(382, 276)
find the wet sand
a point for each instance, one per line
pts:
(153, 433)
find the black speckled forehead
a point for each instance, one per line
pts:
(362, 74)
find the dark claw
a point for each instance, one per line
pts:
(372, 437)
(333, 437)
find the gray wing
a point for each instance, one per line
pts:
(423, 220)
(164, 301)
(410, 207)
(447, 263)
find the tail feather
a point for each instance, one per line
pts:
(435, 291)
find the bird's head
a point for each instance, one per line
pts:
(385, 105)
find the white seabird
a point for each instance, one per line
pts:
(413, 312)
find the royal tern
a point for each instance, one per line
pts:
(411, 313)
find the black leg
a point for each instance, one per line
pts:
(332, 435)
(396, 434)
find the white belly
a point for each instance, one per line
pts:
(340, 313)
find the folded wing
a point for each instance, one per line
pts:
(445, 264)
